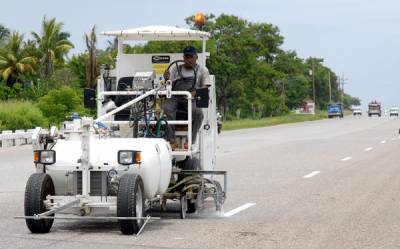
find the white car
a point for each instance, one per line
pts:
(357, 111)
(394, 111)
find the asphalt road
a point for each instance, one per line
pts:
(322, 184)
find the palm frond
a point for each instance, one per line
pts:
(6, 73)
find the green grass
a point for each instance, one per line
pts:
(286, 119)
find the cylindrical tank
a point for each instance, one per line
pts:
(155, 167)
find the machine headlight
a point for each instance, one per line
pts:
(128, 157)
(44, 156)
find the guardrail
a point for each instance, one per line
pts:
(17, 138)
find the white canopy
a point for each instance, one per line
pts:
(159, 33)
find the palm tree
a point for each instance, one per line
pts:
(53, 45)
(91, 72)
(4, 34)
(15, 62)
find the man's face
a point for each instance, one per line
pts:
(190, 60)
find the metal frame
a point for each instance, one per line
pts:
(153, 92)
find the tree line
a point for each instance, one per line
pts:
(255, 76)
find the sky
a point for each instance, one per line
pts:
(358, 39)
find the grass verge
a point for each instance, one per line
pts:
(286, 119)
(20, 115)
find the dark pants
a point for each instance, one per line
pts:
(170, 107)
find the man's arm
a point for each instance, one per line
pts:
(205, 80)
(171, 74)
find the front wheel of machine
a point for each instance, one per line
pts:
(130, 203)
(37, 188)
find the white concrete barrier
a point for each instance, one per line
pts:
(19, 137)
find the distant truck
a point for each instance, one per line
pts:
(335, 110)
(357, 111)
(394, 111)
(374, 108)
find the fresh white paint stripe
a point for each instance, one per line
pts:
(347, 158)
(368, 149)
(383, 141)
(239, 209)
(314, 173)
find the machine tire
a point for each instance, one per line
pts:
(39, 185)
(184, 206)
(220, 198)
(190, 164)
(191, 207)
(130, 203)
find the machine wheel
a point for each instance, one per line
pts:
(190, 164)
(191, 206)
(183, 206)
(219, 198)
(37, 188)
(130, 203)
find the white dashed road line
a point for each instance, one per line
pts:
(393, 138)
(239, 209)
(314, 173)
(383, 141)
(368, 149)
(347, 158)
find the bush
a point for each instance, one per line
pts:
(16, 115)
(58, 103)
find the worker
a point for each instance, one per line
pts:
(187, 76)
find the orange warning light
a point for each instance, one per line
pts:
(199, 19)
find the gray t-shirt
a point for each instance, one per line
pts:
(203, 76)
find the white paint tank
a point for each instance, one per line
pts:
(156, 160)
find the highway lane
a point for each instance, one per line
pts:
(349, 203)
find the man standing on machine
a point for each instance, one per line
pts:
(187, 76)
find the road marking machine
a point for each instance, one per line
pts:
(118, 166)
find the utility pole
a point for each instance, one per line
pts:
(313, 82)
(330, 87)
(341, 81)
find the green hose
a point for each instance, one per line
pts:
(158, 125)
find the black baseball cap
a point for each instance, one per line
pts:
(189, 50)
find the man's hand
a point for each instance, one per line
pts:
(194, 93)
(166, 75)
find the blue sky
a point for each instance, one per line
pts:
(357, 38)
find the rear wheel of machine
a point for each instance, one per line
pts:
(37, 188)
(219, 198)
(191, 206)
(183, 206)
(130, 203)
